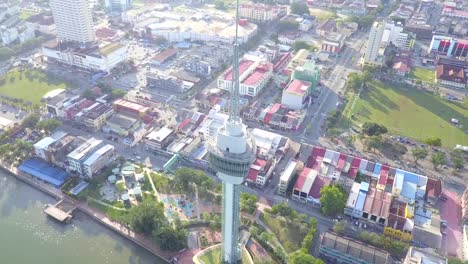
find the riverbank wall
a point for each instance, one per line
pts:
(94, 214)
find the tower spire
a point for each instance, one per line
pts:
(234, 115)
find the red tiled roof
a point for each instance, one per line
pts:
(341, 161)
(450, 73)
(302, 178)
(274, 108)
(354, 167)
(384, 174)
(147, 119)
(104, 33)
(314, 160)
(319, 183)
(243, 66)
(256, 76)
(369, 200)
(252, 176)
(284, 58)
(260, 162)
(267, 117)
(184, 123)
(130, 105)
(433, 187)
(164, 55)
(298, 87)
(396, 222)
(401, 67)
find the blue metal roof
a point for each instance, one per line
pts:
(364, 186)
(377, 169)
(411, 177)
(44, 171)
(409, 190)
(360, 200)
(399, 179)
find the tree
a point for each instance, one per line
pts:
(287, 25)
(300, 44)
(373, 129)
(419, 153)
(204, 241)
(146, 218)
(31, 121)
(359, 177)
(283, 209)
(118, 93)
(375, 142)
(253, 230)
(302, 257)
(5, 53)
(88, 94)
(333, 200)
(49, 124)
(457, 159)
(171, 239)
(160, 40)
(274, 38)
(364, 21)
(438, 159)
(184, 178)
(433, 141)
(354, 81)
(248, 202)
(339, 227)
(456, 261)
(219, 4)
(300, 8)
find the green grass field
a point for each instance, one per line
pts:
(423, 74)
(213, 256)
(24, 15)
(412, 113)
(29, 85)
(120, 186)
(321, 14)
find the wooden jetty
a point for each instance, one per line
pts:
(61, 211)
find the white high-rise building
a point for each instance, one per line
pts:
(73, 20)
(394, 34)
(118, 5)
(374, 53)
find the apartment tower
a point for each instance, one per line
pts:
(73, 20)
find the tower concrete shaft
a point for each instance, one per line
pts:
(232, 151)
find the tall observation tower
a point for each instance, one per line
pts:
(232, 151)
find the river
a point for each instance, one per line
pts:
(28, 236)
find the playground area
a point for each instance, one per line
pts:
(178, 205)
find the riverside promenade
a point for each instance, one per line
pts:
(97, 215)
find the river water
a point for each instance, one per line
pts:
(28, 236)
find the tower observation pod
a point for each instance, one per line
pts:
(231, 153)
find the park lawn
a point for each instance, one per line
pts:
(423, 74)
(321, 15)
(120, 186)
(29, 85)
(289, 235)
(412, 113)
(213, 256)
(25, 15)
(114, 214)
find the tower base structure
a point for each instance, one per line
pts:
(230, 252)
